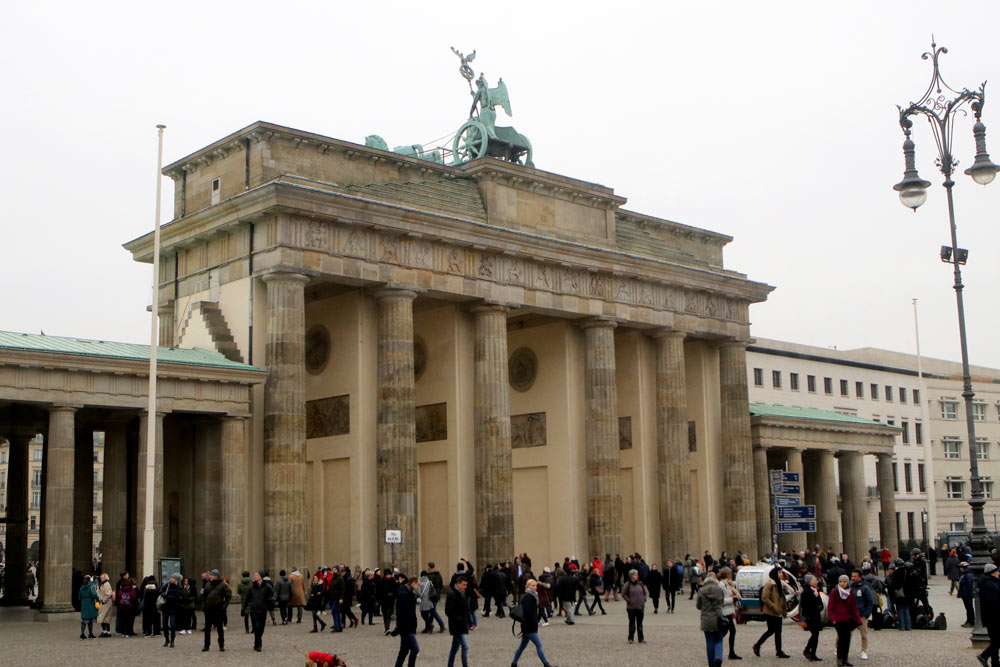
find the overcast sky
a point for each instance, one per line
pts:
(772, 122)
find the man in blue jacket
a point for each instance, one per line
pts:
(866, 603)
(966, 591)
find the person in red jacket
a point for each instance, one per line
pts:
(843, 610)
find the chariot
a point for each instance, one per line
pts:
(480, 137)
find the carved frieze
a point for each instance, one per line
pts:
(326, 417)
(431, 422)
(527, 430)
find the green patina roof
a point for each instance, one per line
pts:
(767, 410)
(10, 340)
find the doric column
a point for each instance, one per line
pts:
(167, 324)
(16, 540)
(285, 530)
(58, 575)
(854, 511)
(494, 476)
(762, 500)
(737, 453)
(396, 439)
(825, 499)
(207, 542)
(114, 531)
(796, 542)
(672, 474)
(140, 495)
(234, 496)
(83, 500)
(887, 503)
(604, 500)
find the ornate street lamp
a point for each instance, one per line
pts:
(941, 113)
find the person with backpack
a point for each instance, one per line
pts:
(966, 592)
(527, 611)
(428, 596)
(128, 606)
(635, 594)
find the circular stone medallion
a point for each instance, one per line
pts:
(317, 349)
(419, 357)
(522, 369)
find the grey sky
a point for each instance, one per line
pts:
(773, 122)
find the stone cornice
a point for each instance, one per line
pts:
(674, 228)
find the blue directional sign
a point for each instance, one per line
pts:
(786, 501)
(787, 489)
(796, 513)
(796, 526)
(790, 477)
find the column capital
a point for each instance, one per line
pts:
(599, 323)
(488, 306)
(65, 408)
(285, 276)
(233, 418)
(392, 291)
(731, 343)
(666, 333)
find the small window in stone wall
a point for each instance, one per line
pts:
(432, 422)
(624, 433)
(527, 430)
(328, 416)
(692, 437)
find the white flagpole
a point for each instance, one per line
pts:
(149, 533)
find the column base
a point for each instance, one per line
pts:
(54, 613)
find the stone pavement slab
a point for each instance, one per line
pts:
(594, 640)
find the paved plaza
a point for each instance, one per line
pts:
(596, 640)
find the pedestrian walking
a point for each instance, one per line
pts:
(566, 588)
(811, 612)
(171, 596)
(150, 615)
(317, 601)
(283, 589)
(387, 598)
(595, 583)
(843, 611)
(215, 596)
(654, 582)
(711, 601)
(456, 608)
(529, 624)
(732, 603)
(635, 594)
(367, 598)
(298, 599)
(989, 606)
(106, 596)
(774, 606)
(90, 604)
(966, 587)
(673, 580)
(428, 597)
(241, 589)
(336, 597)
(865, 597)
(953, 570)
(406, 621)
(692, 574)
(256, 603)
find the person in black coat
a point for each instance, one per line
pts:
(811, 611)
(672, 582)
(387, 598)
(257, 602)
(654, 582)
(989, 601)
(406, 622)
(529, 624)
(456, 608)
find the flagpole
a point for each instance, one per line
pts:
(928, 452)
(149, 532)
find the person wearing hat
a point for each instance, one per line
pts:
(215, 596)
(966, 593)
(989, 606)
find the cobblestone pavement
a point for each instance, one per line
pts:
(595, 640)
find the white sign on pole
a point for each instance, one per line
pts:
(393, 537)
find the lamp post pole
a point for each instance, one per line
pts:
(941, 113)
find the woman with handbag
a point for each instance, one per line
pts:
(811, 613)
(169, 603)
(843, 610)
(90, 604)
(711, 601)
(733, 602)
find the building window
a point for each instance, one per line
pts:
(918, 433)
(33, 526)
(987, 485)
(921, 484)
(899, 530)
(793, 381)
(3, 479)
(952, 447)
(874, 393)
(907, 481)
(953, 487)
(949, 409)
(96, 478)
(811, 383)
(890, 422)
(895, 477)
(982, 449)
(828, 385)
(36, 477)
(979, 412)
(859, 389)
(911, 525)
(36, 500)
(902, 394)
(906, 432)
(776, 379)
(957, 526)
(888, 393)
(96, 460)
(758, 377)
(843, 388)
(3, 456)
(37, 455)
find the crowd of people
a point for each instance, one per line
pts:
(849, 594)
